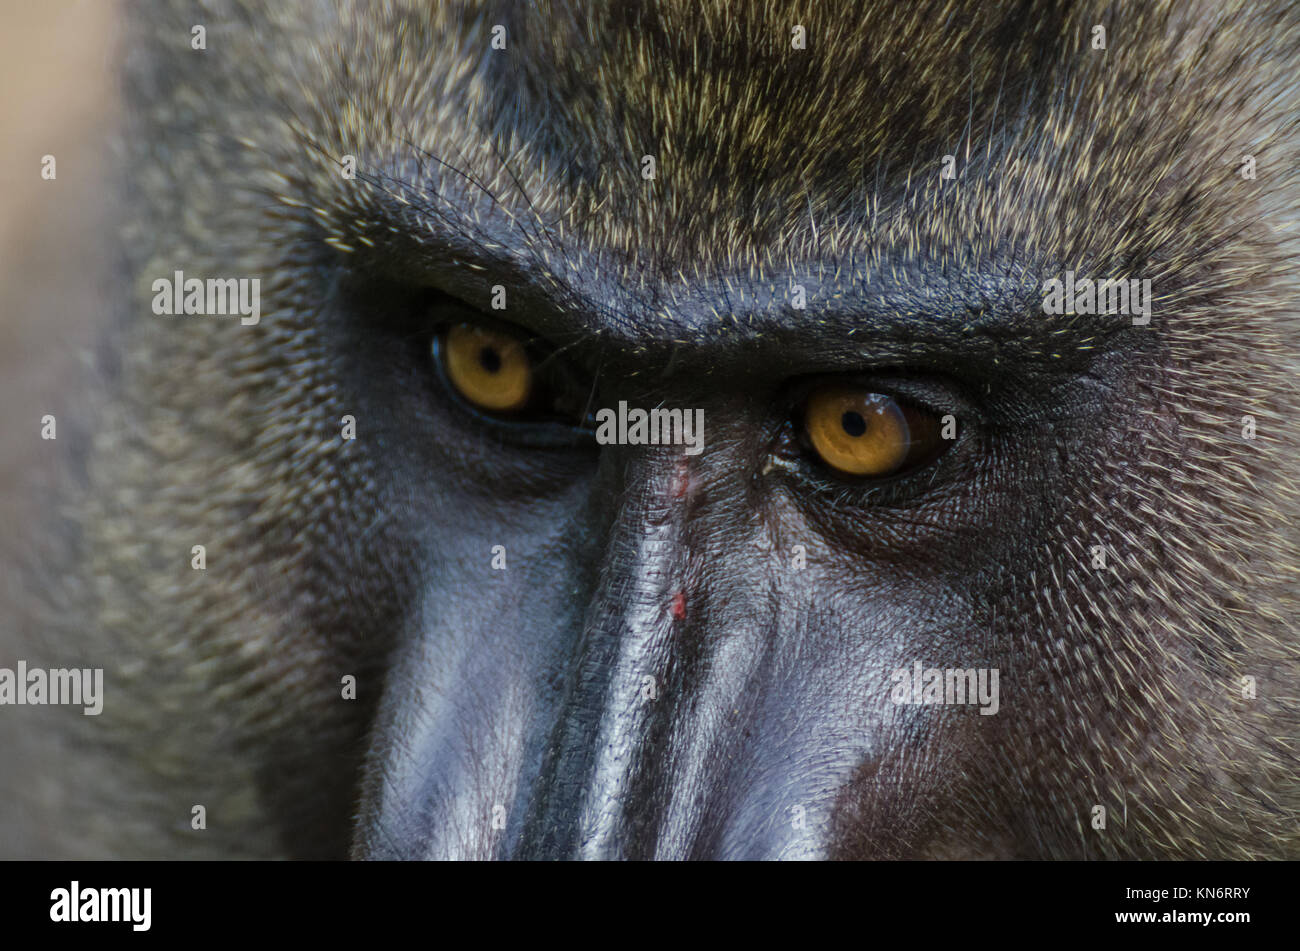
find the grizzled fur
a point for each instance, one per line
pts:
(772, 165)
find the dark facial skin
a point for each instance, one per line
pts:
(692, 656)
(526, 688)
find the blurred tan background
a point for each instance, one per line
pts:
(58, 96)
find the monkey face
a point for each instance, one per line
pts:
(653, 653)
(702, 431)
(629, 650)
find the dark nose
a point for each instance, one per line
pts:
(601, 789)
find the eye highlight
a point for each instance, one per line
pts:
(490, 370)
(869, 435)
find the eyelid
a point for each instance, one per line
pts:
(537, 432)
(936, 395)
(908, 487)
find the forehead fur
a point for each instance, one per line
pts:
(765, 151)
(767, 156)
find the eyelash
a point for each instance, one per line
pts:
(535, 434)
(818, 480)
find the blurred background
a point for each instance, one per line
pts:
(58, 96)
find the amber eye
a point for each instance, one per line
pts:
(490, 370)
(869, 435)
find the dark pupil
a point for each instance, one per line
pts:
(853, 423)
(490, 359)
